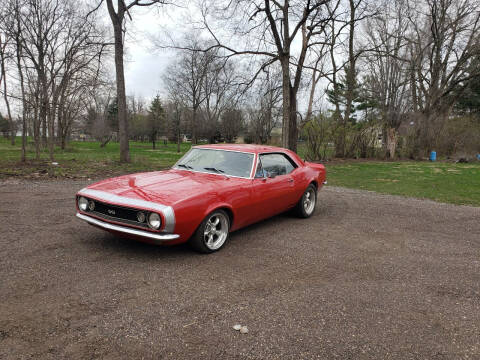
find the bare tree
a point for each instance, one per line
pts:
(232, 123)
(3, 77)
(388, 76)
(269, 29)
(16, 28)
(186, 79)
(265, 113)
(343, 90)
(117, 16)
(221, 90)
(444, 40)
(56, 48)
(98, 103)
(42, 24)
(79, 71)
(11, 25)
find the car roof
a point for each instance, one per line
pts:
(251, 148)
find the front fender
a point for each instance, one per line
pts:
(189, 214)
(221, 205)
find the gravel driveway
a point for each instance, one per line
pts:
(368, 277)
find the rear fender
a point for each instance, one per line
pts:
(320, 170)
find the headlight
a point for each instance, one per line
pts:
(91, 205)
(141, 217)
(82, 203)
(154, 221)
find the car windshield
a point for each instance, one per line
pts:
(217, 161)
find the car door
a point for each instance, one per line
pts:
(273, 185)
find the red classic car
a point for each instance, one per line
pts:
(211, 191)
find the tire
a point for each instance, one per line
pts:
(212, 234)
(307, 203)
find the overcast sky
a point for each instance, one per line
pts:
(145, 64)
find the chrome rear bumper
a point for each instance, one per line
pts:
(129, 231)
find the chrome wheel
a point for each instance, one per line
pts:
(216, 231)
(309, 200)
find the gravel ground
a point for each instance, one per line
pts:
(368, 277)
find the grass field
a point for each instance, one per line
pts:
(440, 181)
(87, 159)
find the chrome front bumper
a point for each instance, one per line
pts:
(129, 231)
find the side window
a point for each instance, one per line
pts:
(289, 165)
(276, 164)
(259, 173)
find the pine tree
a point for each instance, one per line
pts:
(338, 96)
(155, 118)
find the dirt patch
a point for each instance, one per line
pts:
(368, 277)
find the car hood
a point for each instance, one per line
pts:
(164, 187)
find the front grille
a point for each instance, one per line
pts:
(117, 213)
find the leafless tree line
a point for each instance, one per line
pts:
(50, 60)
(207, 86)
(251, 66)
(53, 56)
(397, 61)
(424, 55)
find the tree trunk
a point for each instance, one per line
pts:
(51, 131)
(63, 120)
(178, 132)
(350, 86)
(293, 131)
(391, 142)
(341, 136)
(43, 120)
(194, 125)
(413, 87)
(286, 111)
(23, 155)
(312, 95)
(121, 96)
(7, 102)
(117, 22)
(339, 120)
(43, 107)
(62, 126)
(63, 141)
(36, 130)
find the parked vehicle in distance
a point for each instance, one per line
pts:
(211, 191)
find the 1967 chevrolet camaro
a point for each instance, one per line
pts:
(211, 191)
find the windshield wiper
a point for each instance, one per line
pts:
(185, 166)
(214, 169)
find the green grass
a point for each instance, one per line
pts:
(87, 159)
(440, 181)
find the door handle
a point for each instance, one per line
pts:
(290, 180)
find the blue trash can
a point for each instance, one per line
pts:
(478, 156)
(433, 156)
